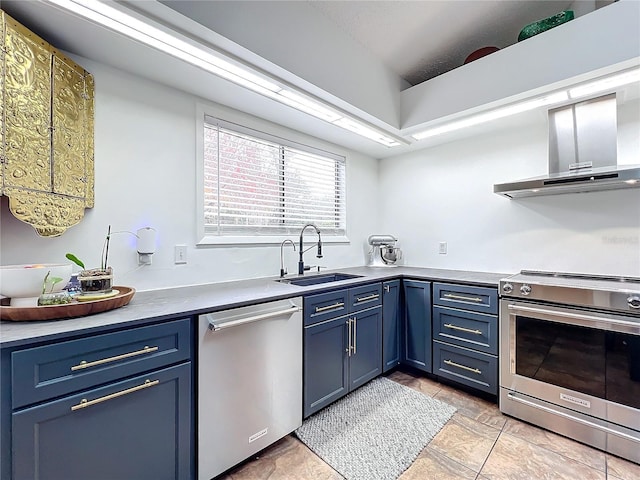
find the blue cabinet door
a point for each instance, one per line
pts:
(391, 325)
(139, 429)
(417, 324)
(365, 361)
(326, 375)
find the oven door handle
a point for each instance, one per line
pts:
(515, 398)
(604, 322)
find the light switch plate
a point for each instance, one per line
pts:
(442, 248)
(180, 254)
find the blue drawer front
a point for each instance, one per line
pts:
(49, 371)
(478, 299)
(366, 296)
(323, 306)
(474, 369)
(142, 432)
(466, 329)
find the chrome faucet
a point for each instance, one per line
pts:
(301, 267)
(283, 271)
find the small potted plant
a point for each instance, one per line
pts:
(95, 280)
(50, 297)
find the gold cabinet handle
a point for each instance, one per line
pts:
(370, 297)
(355, 335)
(84, 364)
(329, 307)
(464, 367)
(462, 329)
(462, 298)
(84, 403)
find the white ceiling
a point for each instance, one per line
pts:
(391, 31)
(419, 40)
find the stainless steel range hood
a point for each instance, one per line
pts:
(582, 153)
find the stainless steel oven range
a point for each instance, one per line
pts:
(570, 356)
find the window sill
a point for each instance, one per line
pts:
(309, 238)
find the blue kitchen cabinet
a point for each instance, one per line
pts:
(365, 361)
(326, 371)
(465, 335)
(105, 406)
(134, 429)
(417, 325)
(341, 353)
(391, 325)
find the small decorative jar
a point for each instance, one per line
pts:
(57, 298)
(96, 280)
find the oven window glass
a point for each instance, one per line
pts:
(596, 362)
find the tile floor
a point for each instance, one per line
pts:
(478, 442)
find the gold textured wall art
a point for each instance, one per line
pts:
(46, 123)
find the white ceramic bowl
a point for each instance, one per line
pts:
(23, 283)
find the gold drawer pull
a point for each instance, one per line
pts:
(370, 297)
(84, 403)
(464, 367)
(462, 329)
(329, 307)
(84, 364)
(462, 298)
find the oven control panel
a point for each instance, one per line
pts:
(580, 294)
(516, 289)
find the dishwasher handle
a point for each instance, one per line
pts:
(254, 318)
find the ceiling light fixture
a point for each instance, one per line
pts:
(218, 64)
(602, 85)
(492, 115)
(606, 84)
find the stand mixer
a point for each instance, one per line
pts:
(384, 252)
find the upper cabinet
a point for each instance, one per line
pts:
(46, 124)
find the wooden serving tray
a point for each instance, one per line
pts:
(69, 310)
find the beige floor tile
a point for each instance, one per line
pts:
(466, 441)
(621, 468)
(473, 407)
(422, 384)
(287, 459)
(557, 443)
(516, 459)
(431, 465)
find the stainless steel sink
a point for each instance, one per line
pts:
(317, 279)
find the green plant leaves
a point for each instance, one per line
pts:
(75, 260)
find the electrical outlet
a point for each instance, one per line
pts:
(442, 248)
(180, 254)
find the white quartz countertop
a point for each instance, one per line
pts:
(155, 305)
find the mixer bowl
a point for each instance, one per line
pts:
(389, 254)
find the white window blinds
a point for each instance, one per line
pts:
(256, 184)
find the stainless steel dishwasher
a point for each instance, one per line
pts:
(249, 381)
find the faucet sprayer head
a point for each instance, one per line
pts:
(319, 254)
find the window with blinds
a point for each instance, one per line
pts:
(256, 184)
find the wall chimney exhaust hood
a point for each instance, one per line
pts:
(582, 153)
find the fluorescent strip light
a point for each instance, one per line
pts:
(130, 26)
(306, 105)
(605, 84)
(154, 37)
(365, 131)
(493, 115)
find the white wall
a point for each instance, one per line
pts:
(445, 193)
(145, 137)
